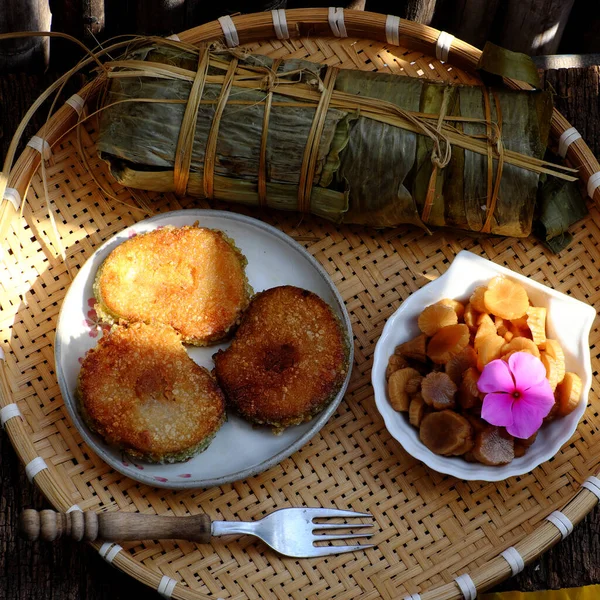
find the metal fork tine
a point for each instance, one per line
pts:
(318, 526)
(327, 550)
(324, 513)
(341, 536)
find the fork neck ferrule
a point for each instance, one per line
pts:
(232, 528)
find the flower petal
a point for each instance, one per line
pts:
(496, 377)
(497, 409)
(527, 370)
(529, 410)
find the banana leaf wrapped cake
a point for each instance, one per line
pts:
(349, 146)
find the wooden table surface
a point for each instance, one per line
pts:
(68, 570)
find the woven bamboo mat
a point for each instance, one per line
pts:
(430, 527)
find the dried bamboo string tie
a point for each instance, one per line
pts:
(109, 550)
(561, 522)
(442, 46)
(593, 184)
(567, 137)
(166, 586)
(592, 484)
(41, 145)
(514, 559)
(183, 152)
(13, 196)
(76, 102)
(280, 24)
(392, 30)
(336, 22)
(229, 31)
(34, 467)
(467, 587)
(10, 411)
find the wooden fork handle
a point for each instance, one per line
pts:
(49, 525)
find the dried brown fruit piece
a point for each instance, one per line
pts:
(395, 363)
(477, 299)
(458, 364)
(448, 342)
(506, 298)
(568, 394)
(470, 317)
(468, 393)
(519, 344)
(490, 348)
(445, 432)
(485, 327)
(436, 316)
(415, 348)
(416, 411)
(439, 391)
(494, 447)
(399, 399)
(413, 385)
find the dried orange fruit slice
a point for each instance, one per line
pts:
(506, 298)
(415, 348)
(536, 321)
(551, 369)
(568, 394)
(490, 348)
(458, 364)
(492, 447)
(398, 396)
(519, 344)
(486, 327)
(448, 342)
(458, 307)
(436, 316)
(439, 391)
(470, 316)
(554, 349)
(395, 362)
(416, 411)
(445, 432)
(476, 299)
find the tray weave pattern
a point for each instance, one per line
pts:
(430, 527)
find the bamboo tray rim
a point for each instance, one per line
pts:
(300, 22)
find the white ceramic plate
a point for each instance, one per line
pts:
(238, 450)
(568, 321)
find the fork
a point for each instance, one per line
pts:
(289, 531)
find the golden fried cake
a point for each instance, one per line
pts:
(191, 278)
(287, 361)
(139, 389)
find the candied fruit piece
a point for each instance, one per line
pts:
(485, 327)
(438, 390)
(458, 307)
(536, 321)
(458, 364)
(445, 432)
(506, 298)
(477, 299)
(500, 326)
(436, 316)
(490, 348)
(493, 447)
(519, 344)
(468, 393)
(397, 388)
(551, 369)
(416, 411)
(448, 342)
(413, 385)
(554, 350)
(415, 348)
(519, 328)
(521, 446)
(508, 336)
(470, 317)
(395, 363)
(568, 394)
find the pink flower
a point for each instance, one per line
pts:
(518, 395)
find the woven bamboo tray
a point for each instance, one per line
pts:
(431, 528)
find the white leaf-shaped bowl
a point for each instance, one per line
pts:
(568, 320)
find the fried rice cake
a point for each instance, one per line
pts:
(288, 359)
(191, 278)
(139, 390)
